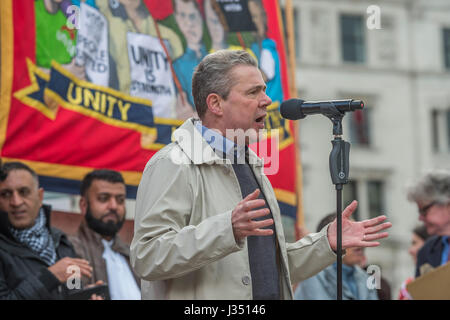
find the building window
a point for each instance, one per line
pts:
(440, 125)
(446, 35)
(370, 194)
(359, 128)
(352, 38)
(375, 195)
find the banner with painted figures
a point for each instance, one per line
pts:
(104, 83)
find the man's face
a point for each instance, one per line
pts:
(416, 243)
(21, 198)
(258, 17)
(189, 21)
(436, 219)
(215, 27)
(354, 256)
(105, 201)
(246, 104)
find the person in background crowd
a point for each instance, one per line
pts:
(102, 203)
(432, 196)
(34, 258)
(354, 279)
(418, 238)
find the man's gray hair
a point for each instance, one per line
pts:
(434, 186)
(213, 75)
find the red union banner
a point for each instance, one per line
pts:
(104, 83)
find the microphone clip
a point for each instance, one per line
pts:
(339, 162)
(339, 156)
(336, 117)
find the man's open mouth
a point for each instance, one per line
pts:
(261, 119)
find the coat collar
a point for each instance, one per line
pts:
(91, 236)
(197, 149)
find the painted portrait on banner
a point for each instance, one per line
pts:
(104, 83)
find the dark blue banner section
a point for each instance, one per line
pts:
(73, 186)
(103, 102)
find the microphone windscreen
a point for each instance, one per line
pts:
(291, 109)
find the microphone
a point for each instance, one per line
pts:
(294, 109)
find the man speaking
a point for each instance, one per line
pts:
(207, 222)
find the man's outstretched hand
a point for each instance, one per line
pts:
(358, 233)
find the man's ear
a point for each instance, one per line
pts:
(41, 195)
(213, 102)
(83, 205)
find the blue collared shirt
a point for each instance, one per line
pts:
(348, 277)
(445, 251)
(221, 145)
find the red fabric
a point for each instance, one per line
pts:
(32, 136)
(159, 9)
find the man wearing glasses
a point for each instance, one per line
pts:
(432, 196)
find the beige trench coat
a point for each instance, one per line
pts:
(183, 245)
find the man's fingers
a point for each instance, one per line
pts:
(369, 244)
(349, 209)
(86, 271)
(374, 221)
(257, 232)
(378, 228)
(253, 204)
(75, 261)
(262, 232)
(254, 225)
(79, 262)
(250, 215)
(82, 266)
(244, 216)
(376, 236)
(253, 195)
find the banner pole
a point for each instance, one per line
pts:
(290, 30)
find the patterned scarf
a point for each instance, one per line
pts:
(38, 239)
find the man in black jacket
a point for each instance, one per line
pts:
(36, 261)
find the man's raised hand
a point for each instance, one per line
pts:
(243, 215)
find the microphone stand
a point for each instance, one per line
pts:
(339, 167)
